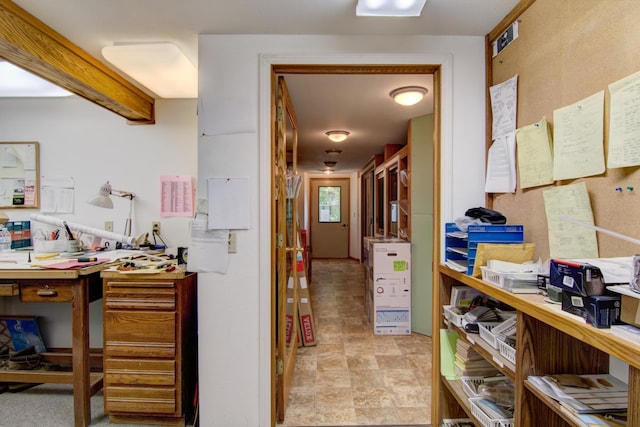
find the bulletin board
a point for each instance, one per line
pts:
(19, 175)
(566, 51)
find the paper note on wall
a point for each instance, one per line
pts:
(177, 196)
(208, 249)
(624, 123)
(535, 161)
(568, 240)
(578, 133)
(504, 104)
(228, 203)
(501, 165)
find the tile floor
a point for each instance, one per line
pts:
(353, 377)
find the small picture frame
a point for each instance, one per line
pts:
(20, 332)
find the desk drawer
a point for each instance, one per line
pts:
(139, 372)
(156, 295)
(142, 400)
(45, 291)
(139, 333)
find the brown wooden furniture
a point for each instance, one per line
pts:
(150, 347)
(549, 341)
(80, 287)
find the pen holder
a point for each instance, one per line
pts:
(56, 246)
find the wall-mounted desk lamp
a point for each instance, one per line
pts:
(103, 200)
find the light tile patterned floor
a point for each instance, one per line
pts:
(353, 377)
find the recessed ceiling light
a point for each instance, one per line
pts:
(389, 7)
(337, 135)
(408, 95)
(18, 83)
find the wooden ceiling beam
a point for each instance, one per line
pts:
(33, 46)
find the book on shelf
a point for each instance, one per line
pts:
(583, 394)
(605, 419)
(483, 371)
(463, 295)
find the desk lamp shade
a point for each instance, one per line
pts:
(102, 199)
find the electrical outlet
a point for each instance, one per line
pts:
(108, 225)
(232, 243)
(155, 227)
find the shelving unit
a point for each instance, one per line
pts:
(549, 341)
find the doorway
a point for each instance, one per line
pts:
(329, 216)
(366, 69)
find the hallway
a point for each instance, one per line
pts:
(353, 377)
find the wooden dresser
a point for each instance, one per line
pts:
(150, 347)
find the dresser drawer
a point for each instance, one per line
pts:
(45, 291)
(142, 400)
(156, 295)
(139, 333)
(143, 372)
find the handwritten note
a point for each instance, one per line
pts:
(504, 102)
(568, 240)
(578, 139)
(501, 165)
(535, 161)
(624, 128)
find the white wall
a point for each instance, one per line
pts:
(91, 144)
(234, 308)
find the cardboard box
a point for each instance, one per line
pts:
(578, 278)
(630, 312)
(601, 311)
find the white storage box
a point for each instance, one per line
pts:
(453, 318)
(484, 419)
(485, 333)
(520, 283)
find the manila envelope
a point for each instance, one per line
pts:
(511, 252)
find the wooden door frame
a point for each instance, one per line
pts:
(278, 66)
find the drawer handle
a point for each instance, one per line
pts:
(47, 293)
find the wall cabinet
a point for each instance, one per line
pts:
(549, 341)
(150, 347)
(392, 197)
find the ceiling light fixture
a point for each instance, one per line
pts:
(160, 66)
(333, 152)
(337, 135)
(18, 83)
(330, 164)
(389, 7)
(408, 95)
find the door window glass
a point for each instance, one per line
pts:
(329, 204)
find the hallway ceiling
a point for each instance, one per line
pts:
(359, 104)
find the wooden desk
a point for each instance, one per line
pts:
(80, 287)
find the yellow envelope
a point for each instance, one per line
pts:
(511, 252)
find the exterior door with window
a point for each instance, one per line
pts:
(330, 218)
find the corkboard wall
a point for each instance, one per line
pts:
(568, 50)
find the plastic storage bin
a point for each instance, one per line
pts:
(484, 419)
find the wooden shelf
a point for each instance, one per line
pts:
(549, 341)
(551, 314)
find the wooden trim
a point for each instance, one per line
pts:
(355, 69)
(30, 44)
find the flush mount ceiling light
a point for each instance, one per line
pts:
(18, 83)
(408, 95)
(330, 164)
(161, 67)
(333, 152)
(337, 135)
(389, 7)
